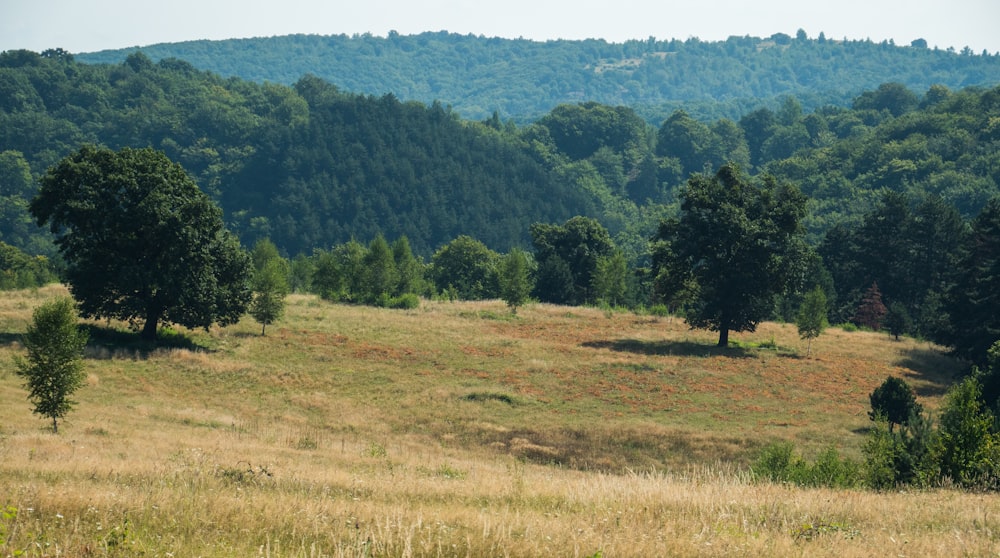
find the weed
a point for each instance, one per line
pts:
(244, 474)
(376, 450)
(444, 471)
(811, 531)
(306, 443)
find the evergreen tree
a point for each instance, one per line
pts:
(380, 271)
(897, 320)
(973, 302)
(893, 400)
(871, 311)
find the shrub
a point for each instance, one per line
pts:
(779, 463)
(901, 457)
(406, 301)
(968, 448)
(895, 401)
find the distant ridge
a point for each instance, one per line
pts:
(522, 79)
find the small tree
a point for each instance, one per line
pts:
(897, 320)
(270, 286)
(515, 279)
(894, 400)
(609, 279)
(968, 449)
(811, 319)
(53, 369)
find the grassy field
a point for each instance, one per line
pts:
(458, 430)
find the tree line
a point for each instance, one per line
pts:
(523, 80)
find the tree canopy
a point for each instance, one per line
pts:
(736, 245)
(141, 241)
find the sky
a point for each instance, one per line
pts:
(86, 26)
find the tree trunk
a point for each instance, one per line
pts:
(55, 426)
(149, 328)
(723, 337)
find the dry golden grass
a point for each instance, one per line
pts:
(455, 430)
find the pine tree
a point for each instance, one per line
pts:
(871, 310)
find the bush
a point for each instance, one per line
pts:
(968, 448)
(660, 310)
(778, 463)
(903, 457)
(895, 401)
(406, 301)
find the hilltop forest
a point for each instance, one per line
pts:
(522, 80)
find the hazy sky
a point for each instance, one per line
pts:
(85, 26)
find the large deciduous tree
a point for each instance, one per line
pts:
(141, 241)
(736, 245)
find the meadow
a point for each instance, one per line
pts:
(457, 429)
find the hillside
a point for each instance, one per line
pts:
(455, 426)
(311, 165)
(522, 79)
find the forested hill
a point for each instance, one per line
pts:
(522, 79)
(311, 165)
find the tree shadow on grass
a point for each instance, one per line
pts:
(933, 367)
(670, 348)
(8, 339)
(107, 342)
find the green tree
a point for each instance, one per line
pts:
(973, 302)
(141, 241)
(16, 187)
(576, 246)
(53, 369)
(466, 266)
(270, 283)
(515, 279)
(735, 246)
(380, 267)
(968, 450)
(609, 281)
(897, 320)
(811, 319)
(270, 287)
(894, 400)
(409, 269)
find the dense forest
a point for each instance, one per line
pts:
(310, 165)
(522, 79)
(898, 184)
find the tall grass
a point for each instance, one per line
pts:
(443, 431)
